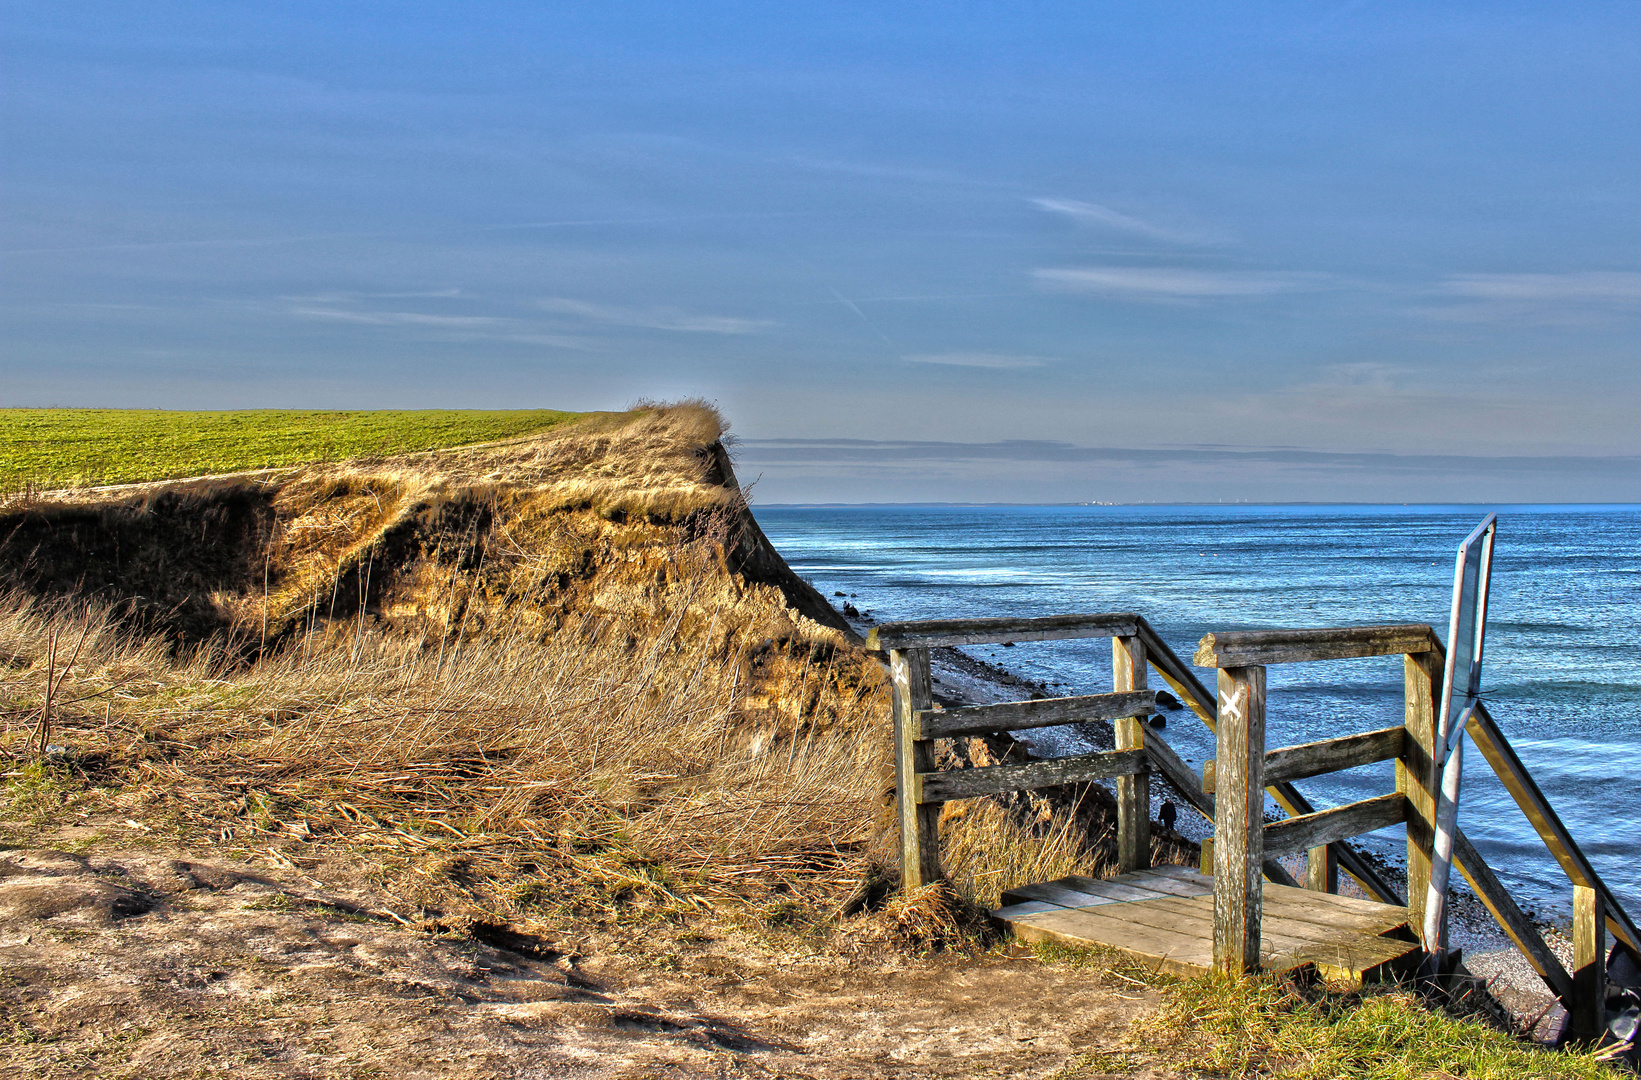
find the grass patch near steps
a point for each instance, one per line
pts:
(1270, 1026)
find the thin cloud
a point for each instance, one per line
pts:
(353, 297)
(1580, 299)
(994, 361)
(399, 318)
(1142, 283)
(1596, 288)
(1086, 213)
(654, 318)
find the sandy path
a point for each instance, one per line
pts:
(135, 964)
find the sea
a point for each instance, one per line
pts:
(1561, 671)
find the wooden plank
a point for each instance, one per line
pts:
(1294, 931)
(1356, 959)
(1326, 826)
(1128, 670)
(1127, 891)
(1511, 918)
(994, 779)
(1351, 952)
(1160, 884)
(1054, 892)
(928, 634)
(1332, 755)
(1484, 731)
(1258, 648)
(1195, 696)
(1391, 915)
(1327, 918)
(1020, 911)
(1160, 950)
(1324, 756)
(1416, 774)
(1021, 715)
(1194, 918)
(1239, 839)
(919, 816)
(1588, 1009)
(1174, 934)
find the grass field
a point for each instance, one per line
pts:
(83, 447)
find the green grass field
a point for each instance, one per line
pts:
(81, 447)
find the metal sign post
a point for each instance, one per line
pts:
(1461, 683)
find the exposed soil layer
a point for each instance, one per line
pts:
(584, 518)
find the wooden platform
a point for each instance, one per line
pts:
(1165, 918)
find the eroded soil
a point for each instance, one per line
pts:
(143, 964)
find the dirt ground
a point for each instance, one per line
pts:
(138, 963)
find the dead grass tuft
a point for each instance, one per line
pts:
(984, 851)
(934, 918)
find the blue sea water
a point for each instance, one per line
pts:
(1563, 660)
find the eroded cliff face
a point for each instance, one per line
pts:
(641, 518)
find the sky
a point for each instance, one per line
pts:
(1047, 252)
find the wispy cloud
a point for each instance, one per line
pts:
(354, 297)
(654, 318)
(399, 318)
(996, 361)
(1599, 288)
(1169, 283)
(1087, 213)
(1561, 299)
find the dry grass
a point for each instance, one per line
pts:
(600, 766)
(985, 852)
(610, 768)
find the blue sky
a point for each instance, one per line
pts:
(1052, 252)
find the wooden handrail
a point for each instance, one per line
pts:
(1324, 756)
(1484, 731)
(932, 633)
(1338, 823)
(1516, 925)
(1196, 696)
(1022, 715)
(1260, 648)
(950, 784)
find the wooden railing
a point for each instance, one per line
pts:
(1231, 790)
(1238, 774)
(1340, 856)
(920, 788)
(1242, 768)
(1136, 648)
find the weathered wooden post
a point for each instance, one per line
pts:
(1239, 819)
(1322, 869)
(1128, 672)
(1416, 779)
(919, 821)
(1589, 1005)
